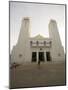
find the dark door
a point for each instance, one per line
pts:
(41, 56)
(48, 56)
(34, 56)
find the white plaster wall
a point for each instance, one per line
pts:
(56, 42)
(23, 44)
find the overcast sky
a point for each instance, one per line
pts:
(40, 15)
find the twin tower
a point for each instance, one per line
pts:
(28, 50)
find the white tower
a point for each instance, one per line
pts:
(21, 52)
(57, 51)
(24, 31)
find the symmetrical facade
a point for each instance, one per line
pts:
(31, 49)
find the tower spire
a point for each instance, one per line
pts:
(53, 32)
(25, 30)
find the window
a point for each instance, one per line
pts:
(37, 42)
(41, 56)
(34, 56)
(31, 42)
(48, 56)
(44, 42)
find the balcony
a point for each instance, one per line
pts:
(40, 43)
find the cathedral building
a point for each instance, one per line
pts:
(32, 49)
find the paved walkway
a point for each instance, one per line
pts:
(32, 75)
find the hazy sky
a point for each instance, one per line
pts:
(40, 15)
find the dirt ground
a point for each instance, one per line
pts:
(33, 75)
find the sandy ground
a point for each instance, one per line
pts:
(32, 75)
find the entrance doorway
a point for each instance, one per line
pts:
(48, 56)
(41, 56)
(34, 56)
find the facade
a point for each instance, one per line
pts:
(32, 49)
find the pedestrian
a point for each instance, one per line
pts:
(39, 63)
